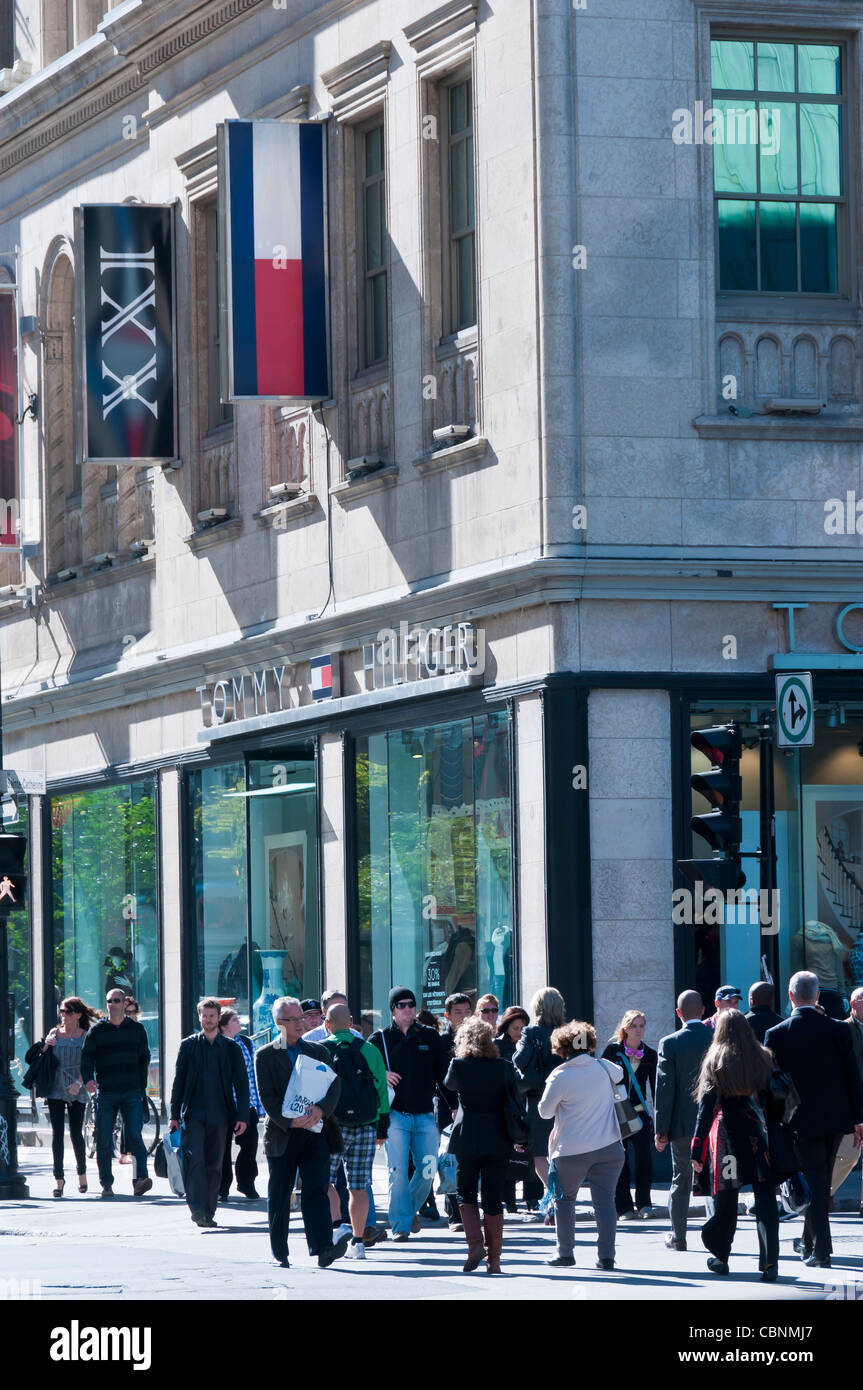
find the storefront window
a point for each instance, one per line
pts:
(255, 867)
(434, 833)
(105, 878)
(18, 937)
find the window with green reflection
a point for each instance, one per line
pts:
(778, 133)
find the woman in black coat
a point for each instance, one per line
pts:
(629, 1050)
(510, 1027)
(534, 1062)
(480, 1140)
(733, 1146)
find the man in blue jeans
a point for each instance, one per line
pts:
(416, 1062)
(117, 1055)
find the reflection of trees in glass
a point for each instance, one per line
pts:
(18, 937)
(103, 850)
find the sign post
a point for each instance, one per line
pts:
(795, 726)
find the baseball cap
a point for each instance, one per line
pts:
(727, 992)
(310, 1006)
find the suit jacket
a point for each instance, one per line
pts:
(273, 1068)
(678, 1064)
(482, 1085)
(856, 1030)
(188, 1075)
(818, 1054)
(761, 1018)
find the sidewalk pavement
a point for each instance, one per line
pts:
(147, 1248)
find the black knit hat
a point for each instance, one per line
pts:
(399, 993)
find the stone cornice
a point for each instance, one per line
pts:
(359, 81)
(528, 581)
(454, 20)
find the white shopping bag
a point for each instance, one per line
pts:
(171, 1147)
(309, 1083)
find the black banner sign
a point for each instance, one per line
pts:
(128, 316)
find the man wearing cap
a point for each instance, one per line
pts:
(312, 1015)
(726, 997)
(415, 1062)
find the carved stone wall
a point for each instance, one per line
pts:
(818, 361)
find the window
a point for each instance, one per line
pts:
(253, 835)
(374, 328)
(434, 862)
(105, 883)
(457, 179)
(778, 135)
(217, 413)
(20, 966)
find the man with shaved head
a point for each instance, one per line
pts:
(678, 1065)
(363, 1113)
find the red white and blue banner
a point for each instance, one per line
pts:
(127, 312)
(272, 200)
(322, 677)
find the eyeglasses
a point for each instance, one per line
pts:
(121, 1000)
(405, 1004)
(289, 1018)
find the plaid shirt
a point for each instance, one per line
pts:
(249, 1059)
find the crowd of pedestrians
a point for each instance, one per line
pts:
(742, 1100)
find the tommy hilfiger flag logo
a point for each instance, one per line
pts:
(271, 191)
(322, 677)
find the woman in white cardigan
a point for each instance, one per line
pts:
(585, 1142)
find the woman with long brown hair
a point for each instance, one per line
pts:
(66, 1094)
(731, 1141)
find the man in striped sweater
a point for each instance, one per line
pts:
(117, 1055)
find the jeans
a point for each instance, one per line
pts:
(57, 1111)
(413, 1136)
(600, 1169)
(131, 1107)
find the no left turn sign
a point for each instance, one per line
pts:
(795, 725)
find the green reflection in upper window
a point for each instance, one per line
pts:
(735, 146)
(778, 147)
(818, 68)
(731, 64)
(776, 67)
(820, 146)
(777, 225)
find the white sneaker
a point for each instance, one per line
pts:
(355, 1251)
(340, 1231)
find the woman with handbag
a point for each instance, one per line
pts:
(534, 1062)
(481, 1137)
(585, 1145)
(629, 1050)
(65, 1093)
(731, 1147)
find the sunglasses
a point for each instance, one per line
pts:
(68, 1011)
(406, 1004)
(489, 1011)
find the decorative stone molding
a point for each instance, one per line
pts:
(371, 418)
(217, 465)
(226, 530)
(282, 515)
(198, 166)
(346, 493)
(292, 106)
(50, 134)
(451, 24)
(359, 84)
(460, 455)
(165, 50)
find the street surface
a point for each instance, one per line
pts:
(147, 1248)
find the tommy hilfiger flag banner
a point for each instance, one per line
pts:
(322, 677)
(127, 251)
(273, 220)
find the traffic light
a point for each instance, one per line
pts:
(721, 827)
(13, 878)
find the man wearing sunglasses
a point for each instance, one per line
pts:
(115, 1060)
(416, 1063)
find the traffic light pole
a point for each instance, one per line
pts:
(13, 1186)
(767, 845)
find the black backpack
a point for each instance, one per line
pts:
(358, 1100)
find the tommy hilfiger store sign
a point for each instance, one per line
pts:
(234, 698)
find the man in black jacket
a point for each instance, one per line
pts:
(762, 1015)
(115, 1059)
(818, 1055)
(297, 1145)
(416, 1063)
(210, 1092)
(679, 1062)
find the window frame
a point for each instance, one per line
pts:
(450, 306)
(219, 415)
(365, 278)
(736, 302)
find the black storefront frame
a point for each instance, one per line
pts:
(235, 749)
(110, 777)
